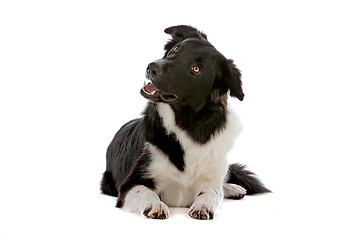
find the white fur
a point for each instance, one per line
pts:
(140, 198)
(205, 171)
(205, 164)
(231, 190)
(207, 202)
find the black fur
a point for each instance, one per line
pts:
(248, 180)
(202, 125)
(108, 185)
(156, 134)
(136, 177)
(198, 97)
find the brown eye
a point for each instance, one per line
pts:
(196, 69)
(176, 49)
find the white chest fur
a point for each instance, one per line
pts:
(205, 164)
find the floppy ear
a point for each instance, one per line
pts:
(231, 75)
(180, 33)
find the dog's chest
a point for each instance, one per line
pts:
(204, 164)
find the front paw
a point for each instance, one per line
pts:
(157, 210)
(201, 211)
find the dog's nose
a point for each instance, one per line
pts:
(154, 70)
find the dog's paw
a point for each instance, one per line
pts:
(234, 191)
(201, 211)
(157, 210)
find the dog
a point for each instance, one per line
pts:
(175, 154)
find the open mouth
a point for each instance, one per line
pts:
(149, 91)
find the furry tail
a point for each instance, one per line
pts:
(108, 184)
(248, 180)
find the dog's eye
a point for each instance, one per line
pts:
(196, 69)
(176, 49)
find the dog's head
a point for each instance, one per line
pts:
(192, 72)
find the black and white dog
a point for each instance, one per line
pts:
(175, 155)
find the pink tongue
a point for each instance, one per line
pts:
(150, 88)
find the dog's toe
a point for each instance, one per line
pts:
(201, 212)
(157, 210)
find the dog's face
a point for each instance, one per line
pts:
(192, 72)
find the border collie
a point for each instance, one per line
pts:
(175, 155)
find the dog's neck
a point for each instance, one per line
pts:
(201, 125)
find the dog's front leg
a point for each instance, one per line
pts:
(206, 203)
(141, 199)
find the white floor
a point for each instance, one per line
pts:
(71, 213)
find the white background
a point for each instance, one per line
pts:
(70, 76)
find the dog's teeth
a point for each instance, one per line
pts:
(153, 92)
(147, 82)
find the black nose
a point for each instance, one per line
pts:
(154, 70)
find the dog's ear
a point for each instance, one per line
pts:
(227, 79)
(231, 75)
(180, 33)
